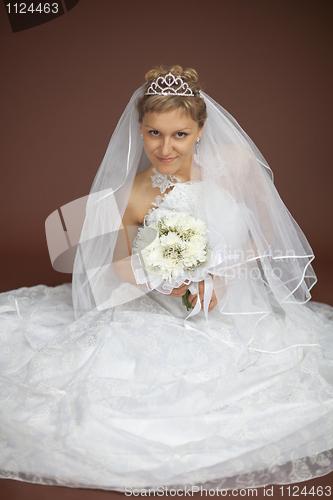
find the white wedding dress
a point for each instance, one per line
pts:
(137, 396)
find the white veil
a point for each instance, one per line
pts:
(267, 266)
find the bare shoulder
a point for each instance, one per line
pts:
(140, 199)
(141, 186)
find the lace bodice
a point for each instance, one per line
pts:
(184, 197)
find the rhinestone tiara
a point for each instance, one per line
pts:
(169, 85)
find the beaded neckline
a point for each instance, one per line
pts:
(164, 182)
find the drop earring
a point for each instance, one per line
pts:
(141, 137)
(198, 141)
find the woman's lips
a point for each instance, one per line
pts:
(165, 160)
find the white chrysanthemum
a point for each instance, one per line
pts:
(172, 269)
(196, 251)
(196, 245)
(171, 239)
(173, 220)
(153, 253)
(199, 226)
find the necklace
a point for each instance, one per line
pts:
(162, 181)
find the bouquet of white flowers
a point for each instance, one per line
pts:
(173, 246)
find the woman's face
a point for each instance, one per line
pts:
(169, 139)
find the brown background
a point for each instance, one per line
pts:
(64, 85)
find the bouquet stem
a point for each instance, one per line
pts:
(185, 300)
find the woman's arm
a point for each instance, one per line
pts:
(123, 249)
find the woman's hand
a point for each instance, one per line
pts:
(180, 291)
(193, 298)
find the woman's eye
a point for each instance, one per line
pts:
(154, 133)
(181, 134)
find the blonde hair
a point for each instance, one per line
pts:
(193, 106)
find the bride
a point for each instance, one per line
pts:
(113, 383)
